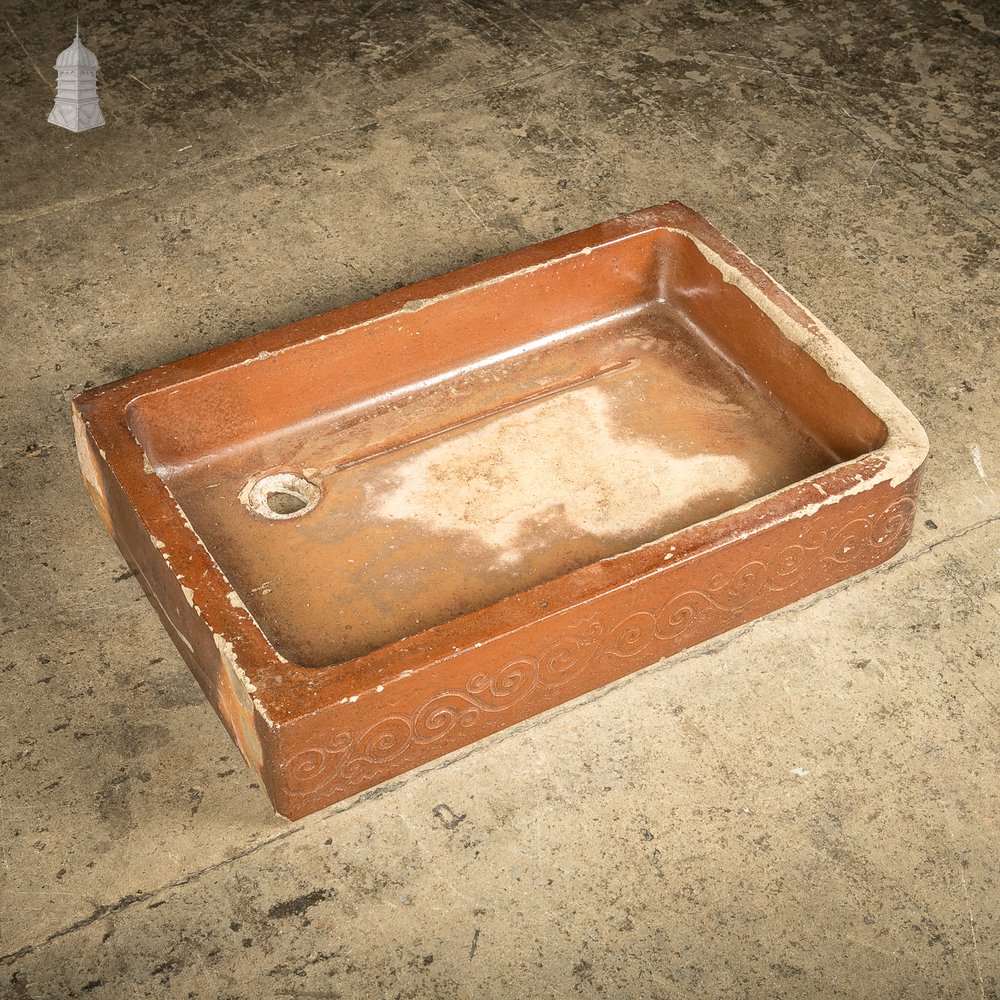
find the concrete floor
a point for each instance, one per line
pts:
(805, 807)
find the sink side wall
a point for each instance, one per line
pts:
(698, 298)
(342, 369)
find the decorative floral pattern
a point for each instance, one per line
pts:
(349, 762)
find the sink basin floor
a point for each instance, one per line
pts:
(580, 445)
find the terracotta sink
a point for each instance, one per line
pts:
(383, 533)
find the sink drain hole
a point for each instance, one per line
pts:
(286, 503)
(281, 496)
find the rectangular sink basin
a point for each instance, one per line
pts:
(388, 531)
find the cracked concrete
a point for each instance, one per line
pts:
(807, 806)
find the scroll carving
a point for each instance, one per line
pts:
(355, 759)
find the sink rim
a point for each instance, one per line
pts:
(283, 691)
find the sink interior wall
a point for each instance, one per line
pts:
(475, 446)
(376, 364)
(701, 301)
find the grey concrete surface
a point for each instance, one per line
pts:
(806, 807)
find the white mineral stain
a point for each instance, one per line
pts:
(558, 459)
(977, 460)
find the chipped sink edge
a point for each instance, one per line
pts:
(239, 678)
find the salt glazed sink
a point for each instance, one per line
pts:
(388, 531)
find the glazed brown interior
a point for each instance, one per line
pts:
(471, 447)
